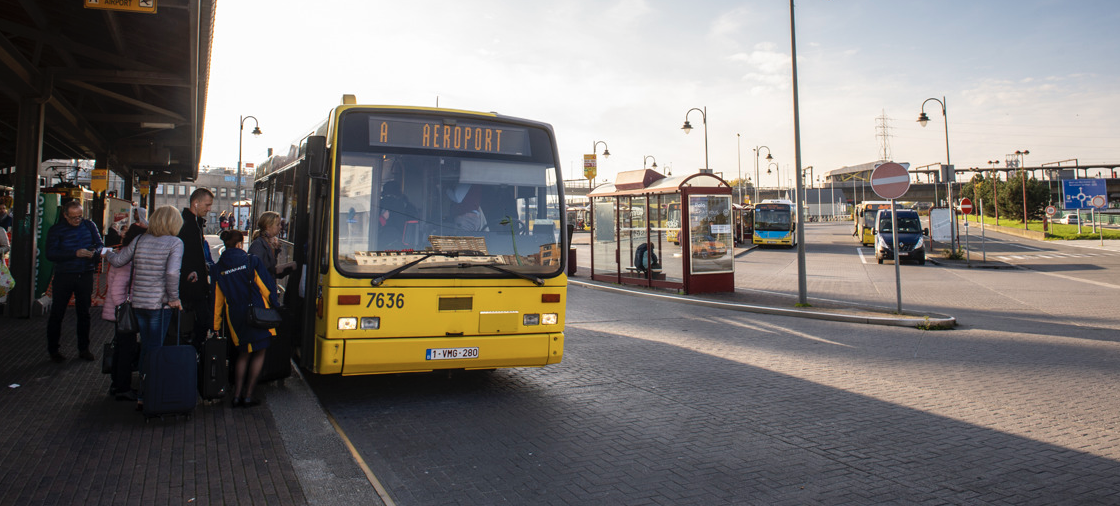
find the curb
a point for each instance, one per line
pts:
(916, 321)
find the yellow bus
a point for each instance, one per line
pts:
(775, 223)
(673, 222)
(864, 215)
(424, 239)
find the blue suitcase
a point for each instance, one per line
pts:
(171, 385)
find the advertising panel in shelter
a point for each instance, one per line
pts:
(710, 239)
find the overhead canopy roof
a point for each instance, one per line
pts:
(127, 84)
(646, 181)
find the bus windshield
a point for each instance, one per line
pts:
(772, 219)
(396, 206)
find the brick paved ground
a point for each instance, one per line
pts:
(666, 403)
(65, 441)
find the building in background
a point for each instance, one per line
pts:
(221, 181)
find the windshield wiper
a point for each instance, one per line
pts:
(450, 254)
(466, 265)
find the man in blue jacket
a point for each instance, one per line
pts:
(74, 245)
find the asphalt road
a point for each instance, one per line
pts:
(658, 402)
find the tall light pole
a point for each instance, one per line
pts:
(779, 167)
(241, 135)
(819, 213)
(606, 154)
(923, 119)
(1023, 170)
(647, 157)
(995, 188)
(757, 180)
(687, 127)
(739, 163)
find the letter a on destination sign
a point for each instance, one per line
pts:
(890, 180)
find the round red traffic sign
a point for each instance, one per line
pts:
(890, 180)
(1051, 210)
(1099, 201)
(966, 206)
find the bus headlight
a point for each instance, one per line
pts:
(549, 318)
(371, 322)
(531, 319)
(349, 323)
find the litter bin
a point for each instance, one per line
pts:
(571, 261)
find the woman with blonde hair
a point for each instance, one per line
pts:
(156, 256)
(266, 244)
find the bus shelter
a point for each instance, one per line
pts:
(665, 232)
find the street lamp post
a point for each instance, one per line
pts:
(739, 164)
(687, 127)
(995, 189)
(1023, 170)
(819, 213)
(779, 167)
(606, 154)
(832, 195)
(758, 180)
(923, 119)
(647, 157)
(241, 135)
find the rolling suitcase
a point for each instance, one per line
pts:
(213, 374)
(171, 384)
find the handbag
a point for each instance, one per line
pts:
(6, 280)
(126, 317)
(262, 317)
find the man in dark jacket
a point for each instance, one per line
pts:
(194, 284)
(74, 245)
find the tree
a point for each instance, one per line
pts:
(1011, 197)
(980, 189)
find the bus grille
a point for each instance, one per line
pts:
(455, 303)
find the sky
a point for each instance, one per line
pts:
(1016, 75)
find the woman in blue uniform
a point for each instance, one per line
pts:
(241, 279)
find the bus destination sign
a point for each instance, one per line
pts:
(448, 135)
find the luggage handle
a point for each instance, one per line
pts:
(178, 323)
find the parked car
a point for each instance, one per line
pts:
(1070, 219)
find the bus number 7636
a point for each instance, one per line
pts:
(385, 300)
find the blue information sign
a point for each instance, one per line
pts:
(1079, 193)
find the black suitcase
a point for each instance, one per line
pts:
(213, 374)
(277, 359)
(171, 384)
(278, 356)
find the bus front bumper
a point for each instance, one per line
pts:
(420, 354)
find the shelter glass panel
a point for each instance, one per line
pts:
(603, 240)
(711, 243)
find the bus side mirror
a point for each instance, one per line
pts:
(315, 155)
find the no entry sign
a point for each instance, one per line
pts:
(966, 206)
(890, 180)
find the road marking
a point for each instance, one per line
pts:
(384, 494)
(1071, 278)
(1029, 248)
(861, 257)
